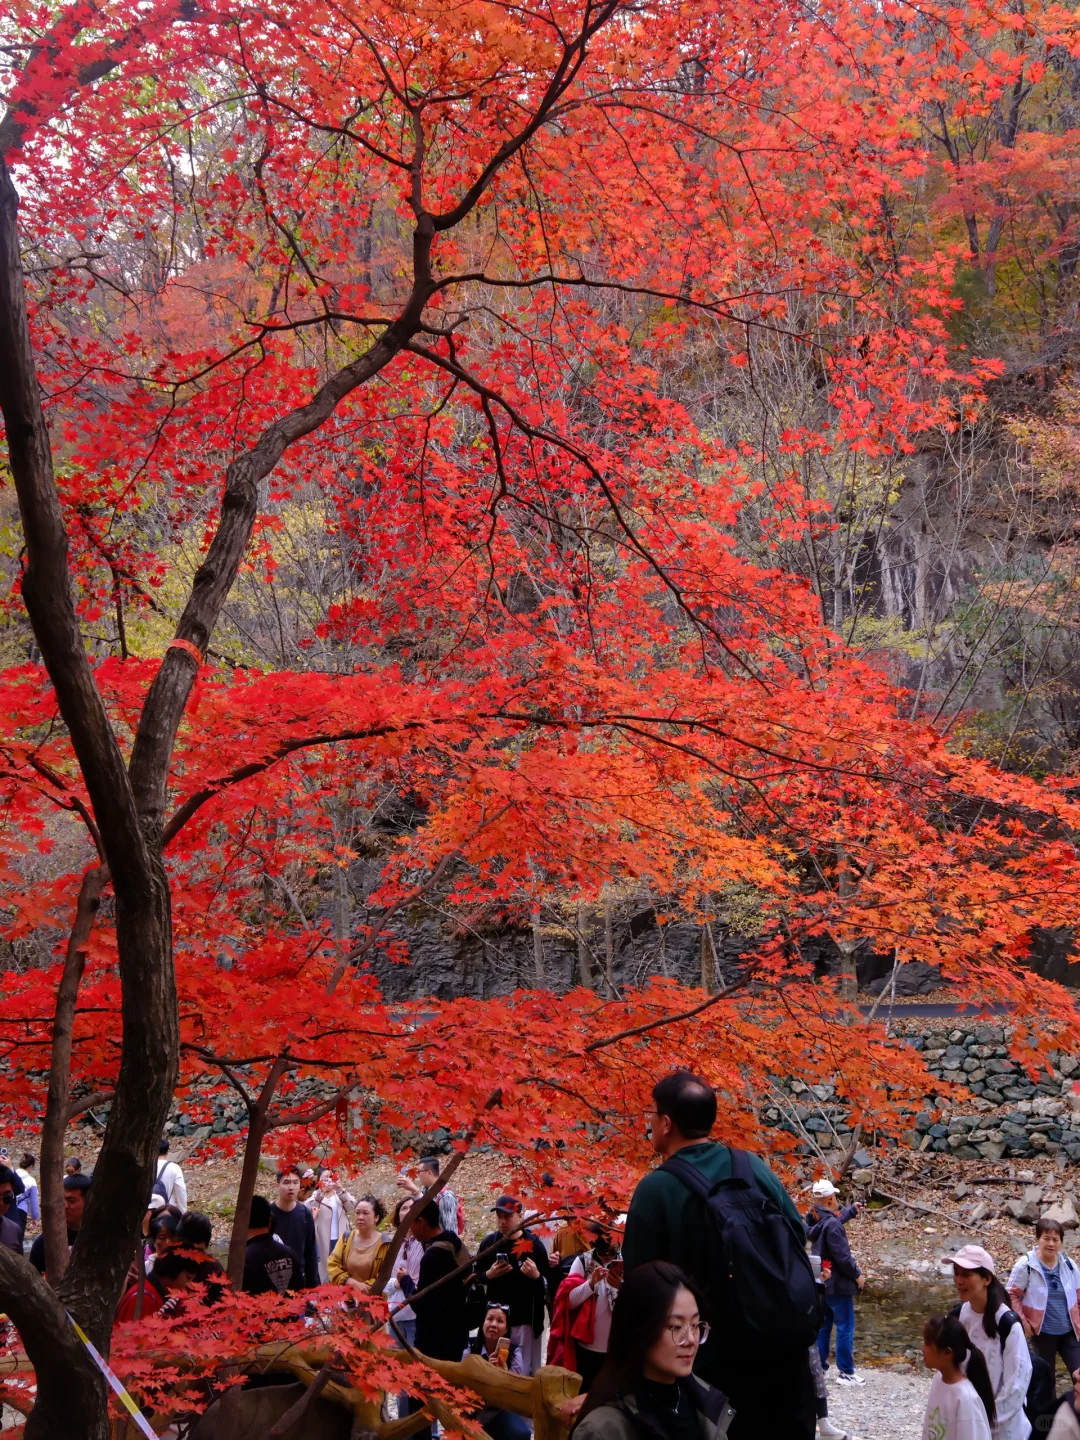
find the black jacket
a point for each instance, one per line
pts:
(621, 1418)
(269, 1265)
(37, 1251)
(524, 1296)
(442, 1330)
(828, 1238)
(296, 1229)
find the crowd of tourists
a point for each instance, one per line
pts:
(711, 1309)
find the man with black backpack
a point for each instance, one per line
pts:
(724, 1218)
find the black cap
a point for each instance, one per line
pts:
(507, 1205)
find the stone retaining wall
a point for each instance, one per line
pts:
(1002, 1113)
(1008, 1114)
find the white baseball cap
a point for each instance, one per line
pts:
(823, 1189)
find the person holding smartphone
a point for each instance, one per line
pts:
(330, 1208)
(513, 1264)
(493, 1343)
(599, 1276)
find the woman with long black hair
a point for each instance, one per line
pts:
(996, 1331)
(646, 1386)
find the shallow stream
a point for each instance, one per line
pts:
(890, 1314)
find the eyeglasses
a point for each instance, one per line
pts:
(689, 1332)
(6, 1197)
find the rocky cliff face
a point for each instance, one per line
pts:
(444, 963)
(447, 959)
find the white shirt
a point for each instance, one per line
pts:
(28, 1200)
(1065, 1426)
(605, 1302)
(954, 1412)
(410, 1255)
(172, 1177)
(1009, 1374)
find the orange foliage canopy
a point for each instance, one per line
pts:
(473, 246)
(227, 216)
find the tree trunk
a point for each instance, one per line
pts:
(249, 1172)
(53, 1223)
(708, 962)
(584, 958)
(70, 1403)
(609, 950)
(538, 950)
(848, 987)
(123, 1176)
(125, 1169)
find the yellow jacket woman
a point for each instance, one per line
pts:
(356, 1258)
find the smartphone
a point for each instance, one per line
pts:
(503, 1347)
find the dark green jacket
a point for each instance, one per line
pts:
(665, 1220)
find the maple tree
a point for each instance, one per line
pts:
(433, 268)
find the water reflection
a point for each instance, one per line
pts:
(890, 1314)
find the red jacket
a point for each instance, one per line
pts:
(561, 1347)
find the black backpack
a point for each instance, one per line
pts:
(754, 1268)
(1041, 1398)
(160, 1188)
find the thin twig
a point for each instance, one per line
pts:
(927, 1210)
(674, 1019)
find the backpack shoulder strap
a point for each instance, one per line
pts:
(693, 1179)
(689, 1174)
(740, 1167)
(1005, 1324)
